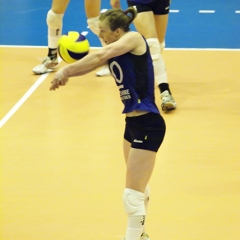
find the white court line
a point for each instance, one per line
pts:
(84, 33)
(237, 11)
(206, 11)
(23, 99)
(174, 11)
(29, 92)
(43, 77)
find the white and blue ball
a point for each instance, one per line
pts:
(73, 46)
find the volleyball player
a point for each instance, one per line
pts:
(128, 57)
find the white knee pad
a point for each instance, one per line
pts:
(154, 47)
(93, 24)
(54, 21)
(162, 46)
(133, 202)
(158, 63)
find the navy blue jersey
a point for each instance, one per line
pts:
(158, 7)
(134, 76)
(141, 1)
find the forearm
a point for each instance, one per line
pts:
(83, 66)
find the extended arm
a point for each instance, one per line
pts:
(130, 42)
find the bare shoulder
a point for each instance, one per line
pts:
(133, 39)
(140, 44)
(130, 42)
(134, 35)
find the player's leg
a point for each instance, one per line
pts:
(134, 229)
(161, 22)
(145, 24)
(140, 164)
(126, 149)
(54, 22)
(92, 10)
(150, 33)
(148, 132)
(168, 102)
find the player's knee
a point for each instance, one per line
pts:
(93, 24)
(54, 20)
(133, 202)
(154, 47)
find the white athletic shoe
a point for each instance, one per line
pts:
(144, 236)
(104, 71)
(46, 66)
(168, 102)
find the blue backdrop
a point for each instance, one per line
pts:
(24, 23)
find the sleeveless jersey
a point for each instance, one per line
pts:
(141, 1)
(134, 76)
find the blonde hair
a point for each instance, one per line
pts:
(118, 18)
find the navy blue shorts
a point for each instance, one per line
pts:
(158, 7)
(145, 132)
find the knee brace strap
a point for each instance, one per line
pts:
(154, 47)
(133, 202)
(54, 20)
(93, 24)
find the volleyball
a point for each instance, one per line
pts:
(72, 46)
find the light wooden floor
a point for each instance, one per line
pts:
(62, 168)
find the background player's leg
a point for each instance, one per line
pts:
(168, 102)
(161, 22)
(54, 21)
(92, 10)
(149, 31)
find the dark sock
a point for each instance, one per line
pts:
(52, 53)
(163, 87)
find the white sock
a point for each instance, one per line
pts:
(53, 37)
(135, 227)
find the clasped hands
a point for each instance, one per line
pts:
(60, 79)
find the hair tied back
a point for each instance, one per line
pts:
(129, 14)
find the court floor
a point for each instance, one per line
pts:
(62, 168)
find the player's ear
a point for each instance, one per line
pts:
(117, 32)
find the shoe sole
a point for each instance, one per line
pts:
(168, 107)
(48, 71)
